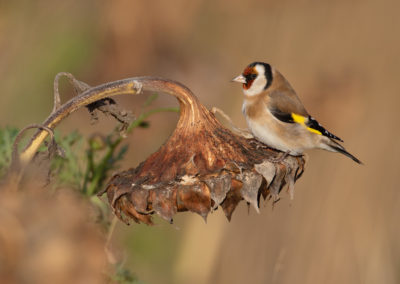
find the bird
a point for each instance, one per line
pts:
(276, 116)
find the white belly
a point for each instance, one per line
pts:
(267, 135)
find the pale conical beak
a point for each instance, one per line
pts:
(239, 79)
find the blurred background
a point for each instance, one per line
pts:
(342, 57)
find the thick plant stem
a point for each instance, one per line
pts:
(129, 86)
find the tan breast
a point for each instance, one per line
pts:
(254, 106)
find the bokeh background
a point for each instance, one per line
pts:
(343, 59)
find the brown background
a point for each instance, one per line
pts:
(343, 59)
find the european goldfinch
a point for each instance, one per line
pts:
(276, 116)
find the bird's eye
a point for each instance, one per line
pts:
(251, 77)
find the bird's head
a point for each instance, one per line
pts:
(255, 78)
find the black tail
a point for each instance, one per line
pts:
(339, 148)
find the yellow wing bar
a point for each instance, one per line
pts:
(302, 120)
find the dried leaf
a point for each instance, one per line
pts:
(195, 198)
(267, 170)
(164, 202)
(278, 182)
(219, 187)
(232, 199)
(251, 184)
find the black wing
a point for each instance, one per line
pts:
(312, 123)
(282, 116)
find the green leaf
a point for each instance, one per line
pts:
(7, 137)
(150, 100)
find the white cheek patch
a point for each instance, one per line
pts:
(258, 84)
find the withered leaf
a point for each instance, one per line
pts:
(250, 188)
(219, 187)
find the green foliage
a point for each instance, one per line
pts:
(67, 170)
(123, 276)
(102, 156)
(7, 137)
